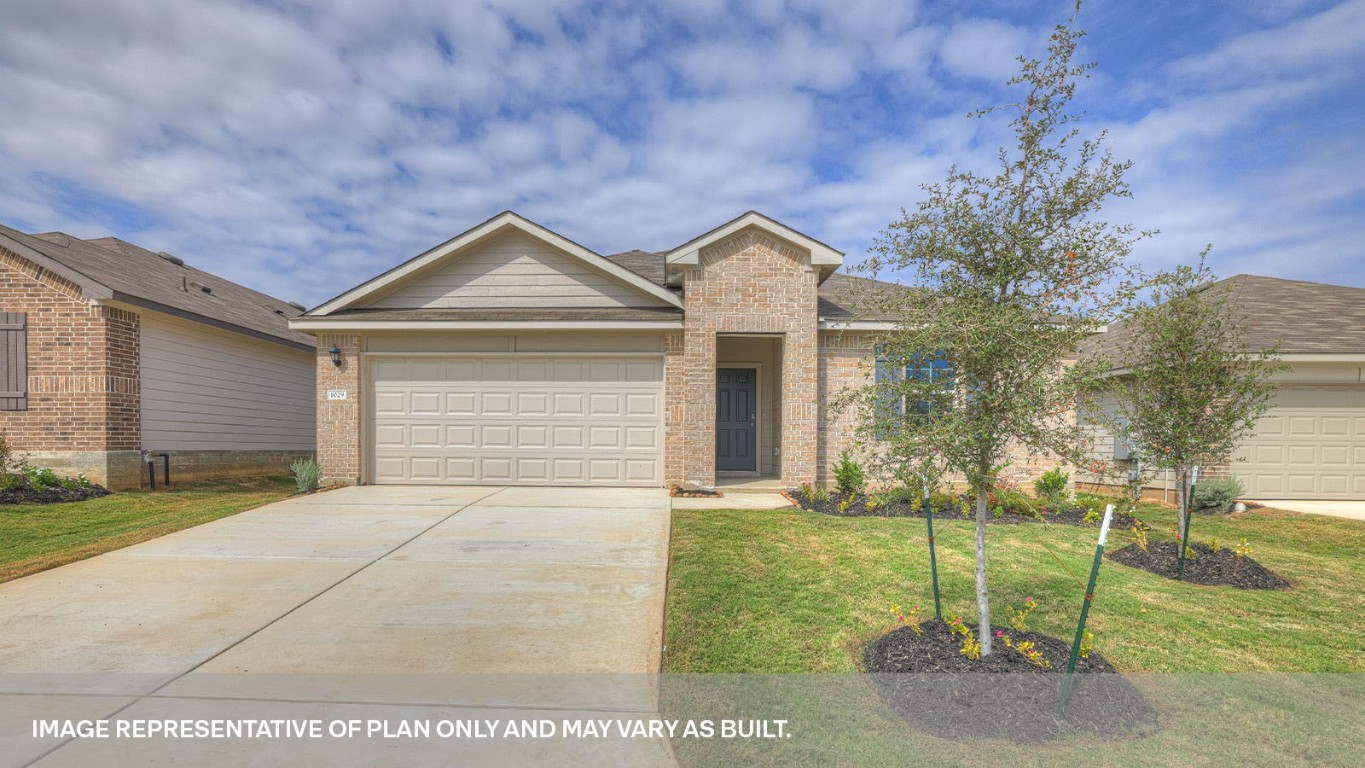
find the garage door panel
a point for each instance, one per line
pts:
(535, 421)
(1308, 446)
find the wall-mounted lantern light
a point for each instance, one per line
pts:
(335, 352)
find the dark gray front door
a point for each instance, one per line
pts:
(736, 433)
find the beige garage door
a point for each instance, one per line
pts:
(517, 421)
(1311, 445)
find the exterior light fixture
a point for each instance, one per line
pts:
(335, 352)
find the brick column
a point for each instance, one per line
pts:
(675, 409)
(700, 382)
(339, 420)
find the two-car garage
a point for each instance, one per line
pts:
(510, 419)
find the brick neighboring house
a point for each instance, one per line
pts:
(107, 349)
(512, 355)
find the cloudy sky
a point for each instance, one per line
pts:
(303, 146)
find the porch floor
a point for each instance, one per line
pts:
(749, 484)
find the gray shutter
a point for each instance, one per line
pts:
(13, 361)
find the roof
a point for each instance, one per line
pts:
(519, 314)
(1303, 318)
(114, 269)
(646, 264)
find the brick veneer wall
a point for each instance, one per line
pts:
(84, 411)
(846, 362)
(339, 427)
(749, 283)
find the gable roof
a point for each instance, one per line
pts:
(499, 223)
(111, 269)
(821, 255)
(1303, 318)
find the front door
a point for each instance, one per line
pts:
(736, 432)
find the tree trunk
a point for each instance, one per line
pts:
(983, 602)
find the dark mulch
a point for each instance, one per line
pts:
(26, 495)
(1218, 569)
(678, 491)
(858, 508)
(926, 680)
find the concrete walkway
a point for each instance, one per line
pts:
(1353, 510)
(362, 603)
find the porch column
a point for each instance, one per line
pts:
(699, 428)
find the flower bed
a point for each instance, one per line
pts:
(856, 505)
(21, 489)
(927, 679)
(1220, 568)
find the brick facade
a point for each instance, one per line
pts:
(750, 283)
(846, 362)
(84, 410)
(339, 427)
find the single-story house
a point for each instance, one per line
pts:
(1311, 442)
(513, 355)
(108, 350)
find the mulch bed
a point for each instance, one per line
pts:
(1217, 569)
(926, 680)
(858, 508)
(679, 492)
(56, 495)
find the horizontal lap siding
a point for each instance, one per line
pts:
(207, 389)
(515, 270)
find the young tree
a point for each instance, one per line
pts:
(1189, 388)
(1010, 268)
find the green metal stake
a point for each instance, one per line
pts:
(1185, 534)
(1085, 610)
(933, 559)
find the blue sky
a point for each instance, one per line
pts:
(301, 147)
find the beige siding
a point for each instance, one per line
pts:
(461, 342)
(205, 389)
(515, 270)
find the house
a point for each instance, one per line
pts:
(1311, 442)
(513, 355)
(108, 350)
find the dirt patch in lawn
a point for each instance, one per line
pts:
(1216, 569)
(927, 680)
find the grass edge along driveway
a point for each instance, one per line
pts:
(36, 537)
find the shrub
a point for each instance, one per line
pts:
(1217, 493)
(4, 454)
(848, 475)
(40, 478)
(1051, 486)
(307, 473)
(11, 482)
(902, 494)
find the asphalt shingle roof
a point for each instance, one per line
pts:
(143, 278)
(1302, 317)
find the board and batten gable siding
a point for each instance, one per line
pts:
(206, 389)
(13, 361)
(515, 270)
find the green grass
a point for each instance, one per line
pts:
(793, 591)
(763, 594)
(37, 537)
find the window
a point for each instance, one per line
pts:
(930, 369)
(13, 361)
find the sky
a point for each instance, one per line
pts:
(301, 147)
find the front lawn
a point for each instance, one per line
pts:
(795, 591)
(37, 537)
(789, 591)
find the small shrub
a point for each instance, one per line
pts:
(1217, 493)
(40, 478)
(1242, 550)
(1092, 516)
(307, 473)
(845, 504)
(1140, 534)
(1214, 546)
(970, 647)
(901, 494)
(1190, 553)
(911, 620)
(1051, 486)
(874, 502)
(12, 482)
(848, 475)
(69, 483)
(1019, 619)
(4, 454)
(1087, 644)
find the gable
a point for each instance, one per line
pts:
(513, 270)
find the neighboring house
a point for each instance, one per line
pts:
(107, 349)
(1311, 443)
(512, 355)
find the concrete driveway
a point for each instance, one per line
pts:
(372, 602)
(1353, 510)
